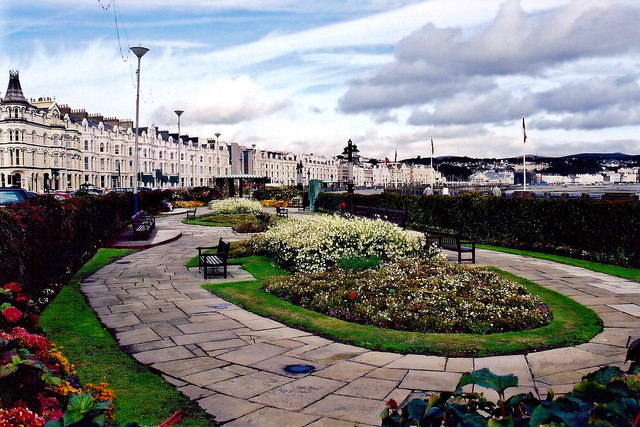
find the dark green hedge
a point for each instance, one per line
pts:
(607, 231)
(45, 240)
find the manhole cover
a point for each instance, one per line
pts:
(299, 369)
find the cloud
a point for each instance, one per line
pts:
(227, 101)
(591, 95)
(435, 64)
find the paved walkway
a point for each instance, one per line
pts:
(231, 361)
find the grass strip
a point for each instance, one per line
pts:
(613, 270)
(141, 395)
(572, 324)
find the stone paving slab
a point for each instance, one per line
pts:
(227, 408)
(299, 393)
(250, 385)
(231, 361)
(276, 417)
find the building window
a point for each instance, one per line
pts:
(101, 147)
(86, 144)
(86, 163)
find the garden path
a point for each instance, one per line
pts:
(231, 361)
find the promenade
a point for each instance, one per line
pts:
(231, 362)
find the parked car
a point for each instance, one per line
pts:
(12, 195)
(89, 191)
(61, 195)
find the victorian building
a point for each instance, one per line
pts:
(49, 147)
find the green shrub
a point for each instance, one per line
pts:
(235, 205)
(45, 240)
(359, 263)
(314, 243)
(603, 231)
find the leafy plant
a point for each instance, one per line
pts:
(83, 410)
(359, 263)
(606, 397)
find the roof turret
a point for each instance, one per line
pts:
(14, 93)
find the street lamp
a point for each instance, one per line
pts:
(217, 134)
(179, 113)
(309, 177)
(349, 150)
(138, 51)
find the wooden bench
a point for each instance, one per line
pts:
(297, 202)
(191, 213)
(452, 242)
(282, 212)
(395, 216)
(142, 225)
(213, 261)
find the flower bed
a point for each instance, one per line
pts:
(37, 383)
(417, 295)
(188, 204)
(315, 243)
(235, 205)
(275, 203)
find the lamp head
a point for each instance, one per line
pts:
(139, 51)
(179, 112)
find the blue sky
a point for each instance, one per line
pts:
(307, 76)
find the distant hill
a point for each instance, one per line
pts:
(530, 157)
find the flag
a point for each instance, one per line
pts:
(432, 151)
(524, 131)
(387, 161)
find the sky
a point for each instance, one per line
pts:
(307, 76)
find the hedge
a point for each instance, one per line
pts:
(605, 231)
(46, 240)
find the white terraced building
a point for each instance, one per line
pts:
(45, 146)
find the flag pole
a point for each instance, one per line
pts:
(433, 175)
(524, 151)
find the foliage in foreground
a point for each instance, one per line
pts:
(429, 296)
(606, 397)
(315, 243)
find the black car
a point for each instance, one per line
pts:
(12, 195)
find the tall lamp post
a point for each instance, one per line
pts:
(138, 51)
(349, 150)
(179, 113)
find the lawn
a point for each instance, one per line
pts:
(141, 395)
(572, 323)
(613, 270)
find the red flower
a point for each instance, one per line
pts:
(353, 295)
(12, 314)
(12, 286)
(343, 205)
